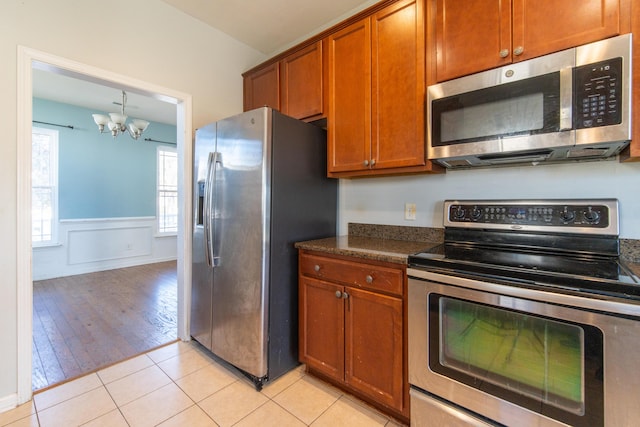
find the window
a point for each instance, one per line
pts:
(44, 186)
(167, 191)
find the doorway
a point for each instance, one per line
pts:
(27, 59)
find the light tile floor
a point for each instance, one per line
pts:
(180, 385)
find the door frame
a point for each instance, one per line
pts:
(27, 58)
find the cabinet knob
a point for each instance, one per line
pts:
(369, 279)
(345, 295)
(366, 163)
(316, 267)
(518, 51)
(373, 162)
(338, 294)
(504, 53)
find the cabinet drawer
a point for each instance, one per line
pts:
(355, 274)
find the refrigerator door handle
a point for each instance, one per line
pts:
(210, 205)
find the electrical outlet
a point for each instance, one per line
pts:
(410, 211)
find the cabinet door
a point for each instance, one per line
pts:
(373, 346)
(262, 88)
(349, 91)
(302, 85)
(545, 26)
(472, 36)
(321, 328)
(398, 81)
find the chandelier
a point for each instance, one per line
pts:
(116, 122)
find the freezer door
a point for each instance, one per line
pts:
(202, 273)
(239, 312)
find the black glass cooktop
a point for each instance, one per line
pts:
(602, 274)
(571, 246)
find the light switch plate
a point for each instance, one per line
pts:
(410, 211)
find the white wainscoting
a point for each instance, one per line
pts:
(90, 245)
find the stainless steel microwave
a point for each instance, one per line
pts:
(570, 105)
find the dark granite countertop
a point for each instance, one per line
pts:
(630, 250)
(373, 248)
(396, 243)
(634, 267)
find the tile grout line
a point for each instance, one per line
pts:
(271, 399)
(112, 398)
(171, 380)
(103, 385)
(181, 389)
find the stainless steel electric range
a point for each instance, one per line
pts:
(526, 315)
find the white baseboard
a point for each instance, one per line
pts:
(9, 402)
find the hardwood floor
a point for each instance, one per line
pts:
(85, 322)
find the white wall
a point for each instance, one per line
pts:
(382, 200)
(143, 39)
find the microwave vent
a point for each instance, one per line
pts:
(587, 152)
(461, 163)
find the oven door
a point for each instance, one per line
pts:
(518, 360)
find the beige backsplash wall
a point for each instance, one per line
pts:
(381, 200)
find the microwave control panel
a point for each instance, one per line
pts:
(598, 94)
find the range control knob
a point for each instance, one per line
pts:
(458, 212)
(566, 215)
(591, 216)
(476, 213)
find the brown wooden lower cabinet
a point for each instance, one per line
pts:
(322, 327)
(352, 329)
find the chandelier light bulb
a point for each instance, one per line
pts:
(114, 128)
(134, 131)
(140, 124)
(118, 119)
(100, 120)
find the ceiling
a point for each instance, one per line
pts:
(99, 98)
(268, 26)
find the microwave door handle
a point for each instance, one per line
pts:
(566, 98)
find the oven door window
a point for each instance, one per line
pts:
(550, 366)
(524, 107)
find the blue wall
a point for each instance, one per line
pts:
(102, 177)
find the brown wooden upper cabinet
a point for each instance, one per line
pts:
(476, 35)
(302, 83)
(376, 87)
(262, 87)
(293, 85)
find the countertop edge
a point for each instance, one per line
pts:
(369, 248)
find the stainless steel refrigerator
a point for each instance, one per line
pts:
(259, 186)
